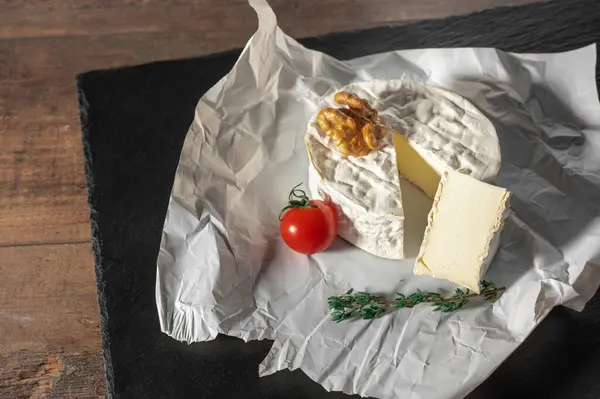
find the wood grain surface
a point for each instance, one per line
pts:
(49, 333)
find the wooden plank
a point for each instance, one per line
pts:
(298, 18)
(49, 323)
(42, 189)
(52, 374)
(48, 298)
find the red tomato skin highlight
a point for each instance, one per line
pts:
(309, 230)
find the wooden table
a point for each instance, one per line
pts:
(49, 332)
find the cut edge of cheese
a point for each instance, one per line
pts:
(414, 167)
(488, 251)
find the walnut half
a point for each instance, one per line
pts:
(356, 130)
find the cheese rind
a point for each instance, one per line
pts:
(414, 167)
(463, 231)
(365, 192)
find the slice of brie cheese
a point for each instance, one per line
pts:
(463, 230)
(438, 130)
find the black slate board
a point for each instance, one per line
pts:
(134, 121)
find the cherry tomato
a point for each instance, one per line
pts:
(307, 226)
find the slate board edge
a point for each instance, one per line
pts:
(96, 239)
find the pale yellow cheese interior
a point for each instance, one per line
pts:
(413, 167)
(465, 218)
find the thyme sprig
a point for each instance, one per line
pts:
(368, 306)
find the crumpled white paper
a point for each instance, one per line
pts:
(223, 268)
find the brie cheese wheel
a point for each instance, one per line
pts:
(463, 230)
(430, 131)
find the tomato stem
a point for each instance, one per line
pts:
(296, 199)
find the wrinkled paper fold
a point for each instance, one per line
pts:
(223, 268)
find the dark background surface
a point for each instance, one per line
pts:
(134, 122)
